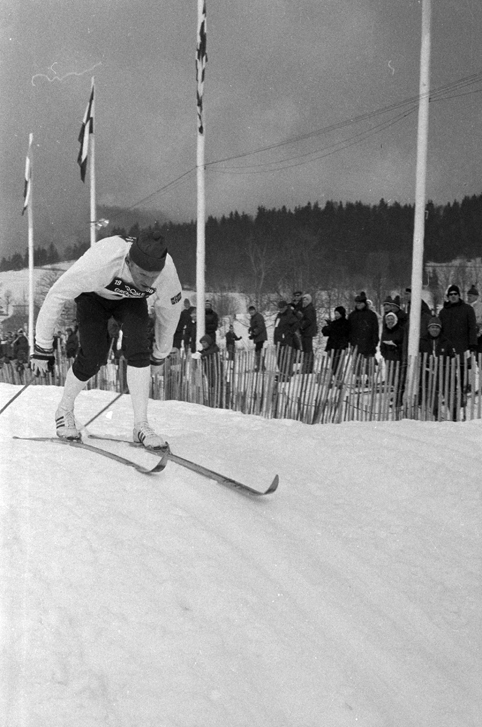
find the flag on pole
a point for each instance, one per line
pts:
(87, 128)
(201, 60)
(27, 189)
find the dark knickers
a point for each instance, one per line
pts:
(93, 313)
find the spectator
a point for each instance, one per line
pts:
(184, 320)
(391, 346)
(71, 344)
(460, 326)
(434, 343)
(257, 333)
(212, 321)
(392, 305)
(20, 349)
(231, 339)
(308, 330)
(472, 297)
(285, 326)
(337, 331)
(363, 335)
(296, 301)
(190, 333)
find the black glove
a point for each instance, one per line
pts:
(41, 360)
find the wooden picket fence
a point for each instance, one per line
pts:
(286, 385)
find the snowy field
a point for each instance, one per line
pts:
(351, 596)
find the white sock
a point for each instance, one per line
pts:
(139, 381)
(73, 387)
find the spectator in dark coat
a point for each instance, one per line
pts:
(363, 334)
(434, 343)
(231, 339)
(308, 330)
(459, 322)
(391, 345)
(285, 327)
(71, 344)
(190, 333)
(460, 326)
(258, 334)
(184, 320)
(212, 321)
(473, 299)
(21, 347)
(337, 331)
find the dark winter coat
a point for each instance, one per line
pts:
(397, 336)
(71, 345)
(308, 324)
(212, 323)
(459, 325)
(439, 346)
(285, 326)
(190, 333)
(337, 332)
(21, 349)
(257, 328)
(184, 320)
(364, 331)
(231, 339)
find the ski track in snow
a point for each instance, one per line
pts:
(351, 596)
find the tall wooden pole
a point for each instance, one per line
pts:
(420, 194)
(93, 207)
(31, 282)
(201, 60)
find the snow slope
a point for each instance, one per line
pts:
(349, 597)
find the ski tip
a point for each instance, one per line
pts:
(273, 486)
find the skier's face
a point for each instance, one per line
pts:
(143, 279)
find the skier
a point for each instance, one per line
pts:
(114, 278)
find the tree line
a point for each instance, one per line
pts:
(310, 247)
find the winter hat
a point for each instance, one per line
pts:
(341, 310)
(149, 251)
(453, 289)
(473, 291)
(391, 316)
(388, 300)
(361, 297)
(206, 339)
(282, 304)
(435, 321)
(396, 301)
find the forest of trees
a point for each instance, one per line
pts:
(341, 244)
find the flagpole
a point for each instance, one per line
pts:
(31, 311)
(27, 205)
(201, 59)
(93, 210)
(420, 194)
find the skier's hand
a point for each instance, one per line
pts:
(41, 359)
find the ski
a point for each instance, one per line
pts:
(201, 470)
(161, 464)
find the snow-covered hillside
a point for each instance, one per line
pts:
(351, 596)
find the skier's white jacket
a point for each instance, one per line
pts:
(103, 270)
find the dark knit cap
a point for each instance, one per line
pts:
(361, 297)
(453, 289)
(472, 291)
(282, 304)
(149, 251)
(206, 339)
(434, 321)
(341, 310)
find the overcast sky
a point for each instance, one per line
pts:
(279, 75)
